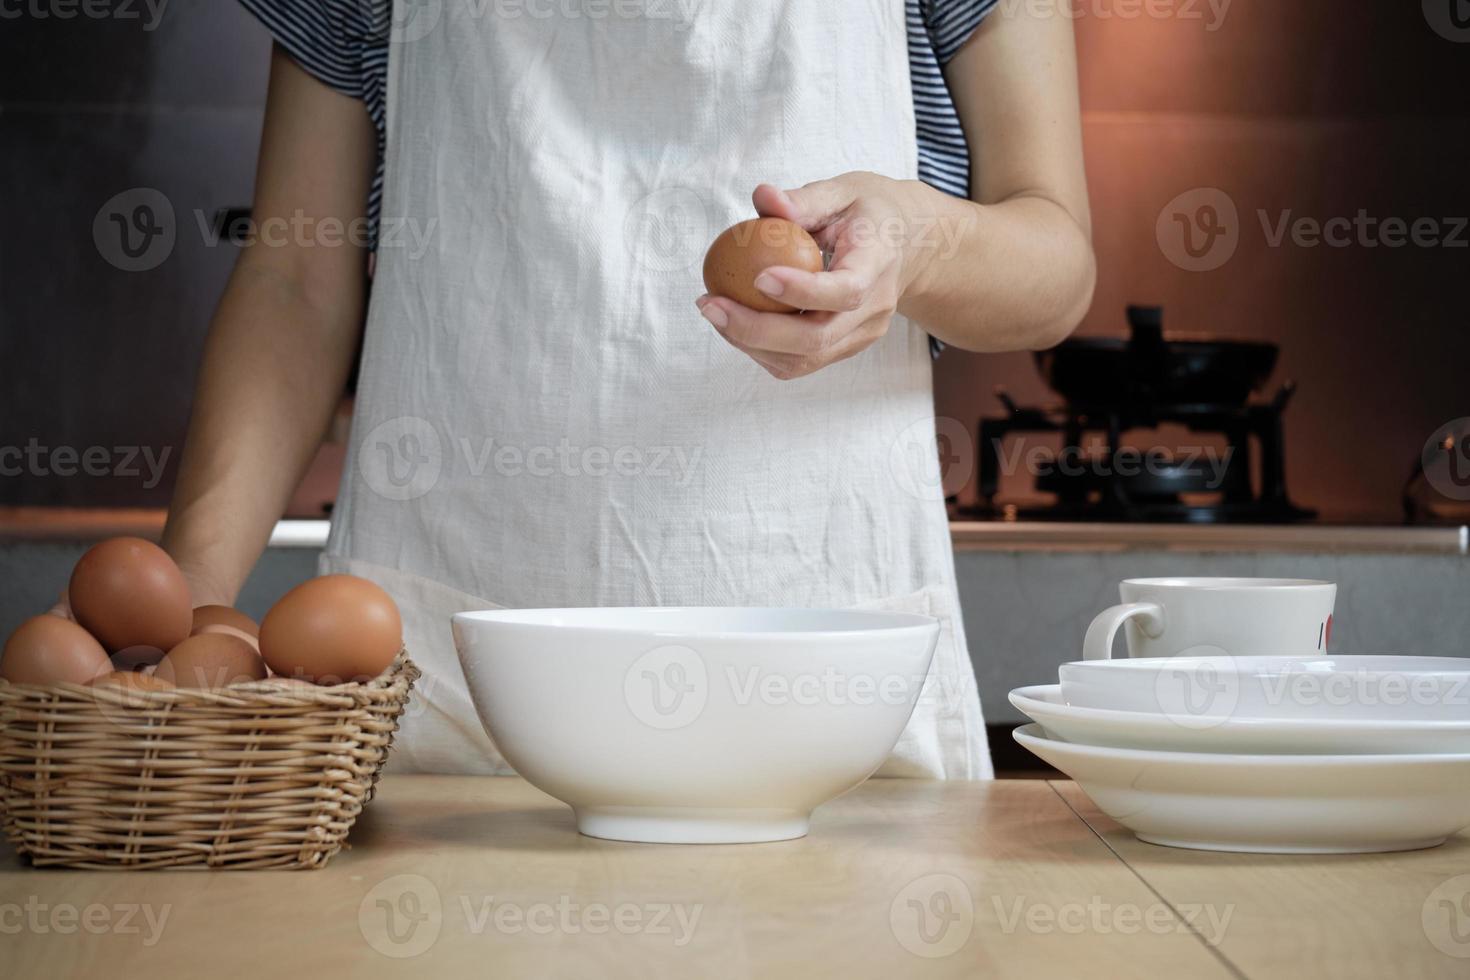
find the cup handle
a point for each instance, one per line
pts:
(1098, 644)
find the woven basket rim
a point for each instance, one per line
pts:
(260, 775)
(274, 691)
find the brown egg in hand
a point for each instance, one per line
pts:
(746, 250)
(331, 630)
(128, 592)
(224, 619)
(211, 660)
(52, 650)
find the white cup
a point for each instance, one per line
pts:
(1237, 617)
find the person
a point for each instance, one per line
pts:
(549, 411)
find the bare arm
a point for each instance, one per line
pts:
(1010, 269)
(1023, 274)
(282, 341)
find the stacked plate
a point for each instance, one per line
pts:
(1321, 754)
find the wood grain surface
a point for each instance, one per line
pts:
(451, 876)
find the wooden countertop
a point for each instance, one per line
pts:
(452, 876)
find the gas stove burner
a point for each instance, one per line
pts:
(1112, 386)
(1095, 477)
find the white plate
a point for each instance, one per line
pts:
(1276, 804)
(1207, 733)
(1348, 688)
(694, 725)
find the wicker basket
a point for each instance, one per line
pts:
(270, 774)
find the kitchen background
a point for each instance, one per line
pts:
(1219, 135)
(1292, 112)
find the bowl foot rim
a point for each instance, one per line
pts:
(691, 825)
(1254, 847)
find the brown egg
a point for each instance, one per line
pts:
(128, 592)
(136, 658)
(211, 660)
(133, 680)
(746, 250)
(223, 619)
(52, 650)
(332, 629)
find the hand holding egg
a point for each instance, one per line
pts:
(873, 227)
(745, 251)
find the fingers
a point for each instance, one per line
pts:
(789, 367)
(765, 359)
(847, 286)
(813, 206)
(772, 202)
(833, 292)
(771, 362)
(819, 340)
(780, 333)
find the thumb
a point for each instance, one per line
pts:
(813, 206)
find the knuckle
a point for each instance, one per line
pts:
(792, 367)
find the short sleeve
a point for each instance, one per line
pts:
(344, 45)
(325, 37)
(952, 22)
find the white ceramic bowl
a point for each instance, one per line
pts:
(1346, 688)
(717, 725)
(1281, 804)
(1203, 733)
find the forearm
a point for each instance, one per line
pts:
(283, 339)
(1014, 275)
(1021, 271)
(274, 369)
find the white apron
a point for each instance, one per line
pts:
(543, 417)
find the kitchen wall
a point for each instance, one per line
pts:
(1306, 109)
(98, 350)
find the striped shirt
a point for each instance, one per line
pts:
(344, 44)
